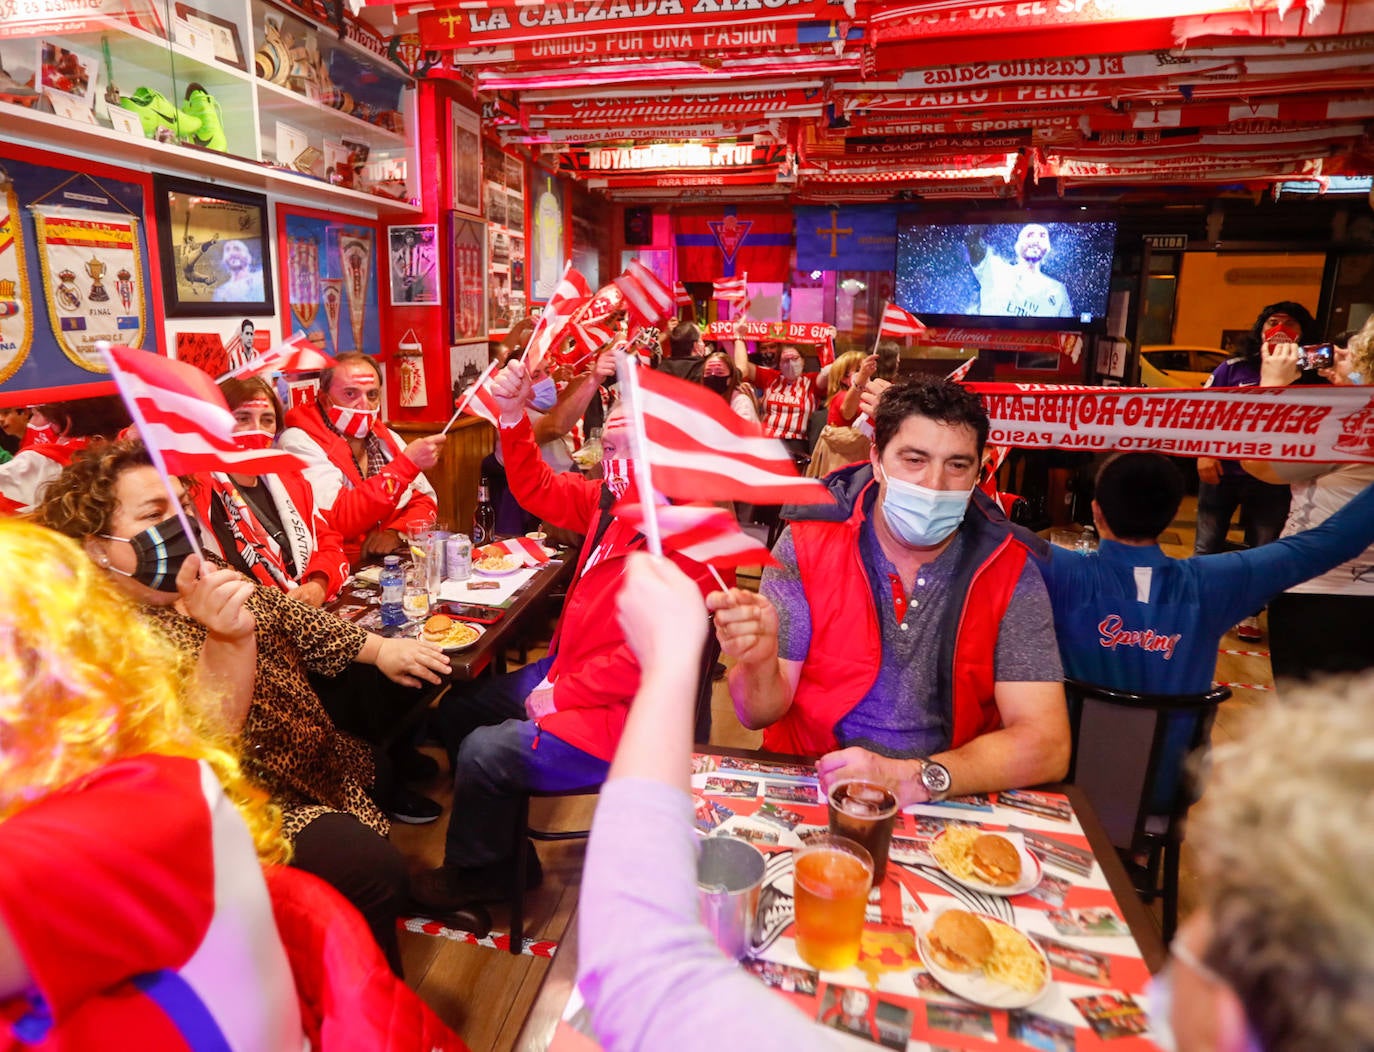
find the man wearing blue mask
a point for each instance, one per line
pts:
(906, 637)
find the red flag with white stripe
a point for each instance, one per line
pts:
(294, 355)
(704, 533)
(183, 418)
(568, 298)
(681, 296)
(647, 298)
(960, 371)
(898, 322)
(700, 449)
(482, 403)
(731, 290)
(589, 337)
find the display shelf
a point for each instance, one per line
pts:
(126, 51)
(44, 130)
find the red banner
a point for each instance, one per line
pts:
(735, 241)
(667, 107)
(726, 36)
(685, 178)
(773, 331)
(1262, 423)
(470, 27)
(920, 20)
(1066, 343)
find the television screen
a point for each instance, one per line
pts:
(1044, 274)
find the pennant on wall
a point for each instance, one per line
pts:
(16, 304)
(83, 254)
(735, 241)
(355, 256)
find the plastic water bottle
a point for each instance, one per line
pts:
(393, 582)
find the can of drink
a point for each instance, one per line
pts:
(457, 557)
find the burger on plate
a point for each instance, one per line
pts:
(959, 941)
(437, 628)
(995, 859)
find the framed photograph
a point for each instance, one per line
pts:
(468, 255)
(515, 212)
(225, 35)
(466, 154)
(496, 203)
(546, 241)
(465, 364)
(213, 248)
(414, 264)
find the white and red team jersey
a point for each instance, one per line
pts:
(787, 407)
(137, 903)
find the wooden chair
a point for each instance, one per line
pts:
(524, 832)
(1128, 758)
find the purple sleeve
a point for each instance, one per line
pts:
(782, 586)
(651, 974)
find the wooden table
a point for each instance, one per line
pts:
(552, 999)
(490, 650)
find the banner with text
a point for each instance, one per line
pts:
(1240, 423)
(773, 331)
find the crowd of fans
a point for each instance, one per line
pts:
(909, 633)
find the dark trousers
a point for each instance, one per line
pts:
(1313, 634)
(1263, 511)
(363, 867)
(498, 754)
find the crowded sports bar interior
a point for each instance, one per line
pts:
(666, 524)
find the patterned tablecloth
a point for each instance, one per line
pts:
(1098, 976)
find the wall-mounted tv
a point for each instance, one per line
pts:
(1006, 270)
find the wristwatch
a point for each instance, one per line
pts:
(935, 778)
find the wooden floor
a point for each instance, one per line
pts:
(485, 993)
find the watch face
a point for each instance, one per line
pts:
(935, 777)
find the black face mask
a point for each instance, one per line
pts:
(159, 550)
(718, 384)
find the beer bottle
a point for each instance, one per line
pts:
(484, 519)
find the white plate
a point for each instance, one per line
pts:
(975, 986)
(472, 642)
(496, 573)
(1031, 870)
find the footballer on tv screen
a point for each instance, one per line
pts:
(1044, 272)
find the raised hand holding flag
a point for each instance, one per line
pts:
(571, 294)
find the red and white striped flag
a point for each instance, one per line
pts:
(568, 298)
(898, 322)
(589, 337)
(606, 300)
(647, 298)
(702, 532)
(183, 418)
(681, 296)
(294, 355)
(699, 448)
(731, 290)
(960, 371)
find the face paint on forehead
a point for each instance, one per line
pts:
(254, 403)
(361, 376)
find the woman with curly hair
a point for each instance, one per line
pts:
(254, 646)
(131, 894)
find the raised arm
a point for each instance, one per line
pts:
(741, 355)
(227, 665)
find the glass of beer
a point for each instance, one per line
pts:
(831, 877)
(865, 812)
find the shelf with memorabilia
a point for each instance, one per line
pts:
(232, 87)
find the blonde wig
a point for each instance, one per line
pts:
(85, 681)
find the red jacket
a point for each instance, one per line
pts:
(594, 674)
(325, 546)
(350, 1000)
(846, 648)
(396, 497)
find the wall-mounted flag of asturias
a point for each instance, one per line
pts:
(848, 237)
(733, 241)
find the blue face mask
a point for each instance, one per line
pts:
(923, 517)
(543, 395)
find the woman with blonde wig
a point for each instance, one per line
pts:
(131, 895)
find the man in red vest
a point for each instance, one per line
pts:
(905, 638)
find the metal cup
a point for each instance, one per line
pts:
(729, 879)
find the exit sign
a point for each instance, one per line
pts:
(1174, 242)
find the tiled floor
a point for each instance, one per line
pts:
(484, 993)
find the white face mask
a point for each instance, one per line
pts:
(923, 517)
(790, 369)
